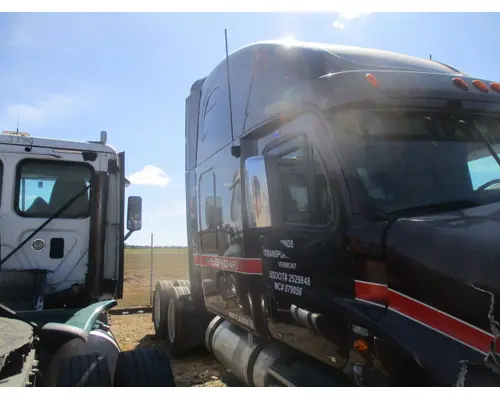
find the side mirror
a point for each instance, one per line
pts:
(134, 213)
(263, 192)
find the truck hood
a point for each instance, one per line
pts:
(449, 261)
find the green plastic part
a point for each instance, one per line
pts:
(86, 318)
(42, 317)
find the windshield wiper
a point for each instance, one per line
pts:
(441, 206)
(488, 145)
(53, 216)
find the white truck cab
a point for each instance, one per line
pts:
(62, 221)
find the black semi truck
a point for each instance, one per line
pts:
(343, 220)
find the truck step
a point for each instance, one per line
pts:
(307, 374)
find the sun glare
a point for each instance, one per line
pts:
(289, 41)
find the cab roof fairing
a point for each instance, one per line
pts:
(254, 103)
(351, 86)
(343, 88)
(356, 56)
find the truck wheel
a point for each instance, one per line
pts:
(143, 368)
(176, 315)
(160, 301)
(86, 370)
(182, 282)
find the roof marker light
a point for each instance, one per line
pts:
(460, 83)
(371, 80)
(479, 85)
(495, 86)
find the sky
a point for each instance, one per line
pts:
(72, 75)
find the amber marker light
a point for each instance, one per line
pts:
(479, 85)
(495, 87)
(371, 80)
(460, 83)
(360, 345)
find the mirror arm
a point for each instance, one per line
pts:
(127, 235)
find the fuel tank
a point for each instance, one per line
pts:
(243, 354)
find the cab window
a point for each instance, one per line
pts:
(307, 197)
(45, 187)
(484, 171)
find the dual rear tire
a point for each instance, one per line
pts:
(175, 318)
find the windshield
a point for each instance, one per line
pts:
(409, 159)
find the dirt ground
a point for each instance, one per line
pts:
(133, 331)
(136, 330)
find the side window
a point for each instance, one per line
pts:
(307, 197)
(210, 212)
(43, 188)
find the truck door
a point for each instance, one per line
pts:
(209, 236)
(38, 188)
(304, 263)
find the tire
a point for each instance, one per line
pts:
(160, 302)
(143, 368)
(176, 335)
(182, 282)
(86, 370)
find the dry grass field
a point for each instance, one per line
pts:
(136, 330)
(167, 264)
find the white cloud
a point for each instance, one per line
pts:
(38, 110)
(151, 176)
(19, 38)
(350, 15)
(338, 25)
(53, 106)
(343, 17)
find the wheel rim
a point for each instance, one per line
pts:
(171, 321)
(157, 310)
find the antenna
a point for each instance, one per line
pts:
(17, 129)
(430, 56)
(235, 150)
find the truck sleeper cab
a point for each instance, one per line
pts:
(359, 235)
